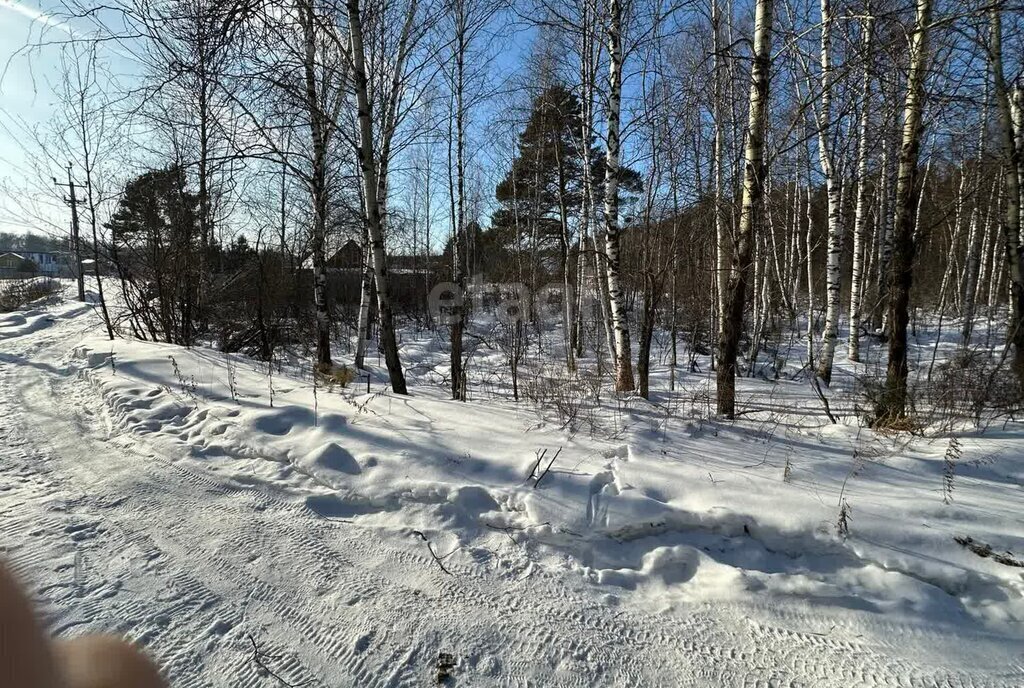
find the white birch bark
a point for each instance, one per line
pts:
(892, 405)
(987, 242)
(861, 211)
(1017, 115)
(827, 161)
(884, 231)
(317, 185)
(970, 283)
(365, 292)
(1008, 137)
(757, 303)
(721, 235)
(623, 357)
(371, 201)
(974, 240)
(751, 208)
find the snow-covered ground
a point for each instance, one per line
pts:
(250, 530)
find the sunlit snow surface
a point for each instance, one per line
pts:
(200, 505)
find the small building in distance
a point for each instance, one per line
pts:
(34, 263)
(348, 257)
(13, 264)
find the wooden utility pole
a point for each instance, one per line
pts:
(76, 242)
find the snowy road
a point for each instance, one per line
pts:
(117, 534)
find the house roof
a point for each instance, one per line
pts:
(4, 254)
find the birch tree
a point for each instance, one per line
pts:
(395, 36)
(319, 130)
(827, 160)
(590, 49)
(623, 357)
(861, 211)
(718, 161)
(750, 211)
(1011, 155)
(975, 233)
(458, 200)
(892, 404)
(371, 200)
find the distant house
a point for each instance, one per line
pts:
(348, 257)
(47, 263)
(16, 265)
(12, 264)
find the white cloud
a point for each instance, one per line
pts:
(34, 14)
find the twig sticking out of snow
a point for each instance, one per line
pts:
(533, 470)
(843, 524)
(949, 461)
(816, 386)
(258, 656)
(550, 464)
(437, 558)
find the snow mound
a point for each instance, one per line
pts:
(668, 565)
(327, 460)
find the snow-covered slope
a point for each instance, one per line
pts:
(239, 522)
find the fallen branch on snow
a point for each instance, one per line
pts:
(257, 657)
(437, 558)
(985, 551)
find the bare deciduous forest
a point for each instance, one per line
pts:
(726, 174)
(782, 232)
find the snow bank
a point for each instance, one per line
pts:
(697, 510)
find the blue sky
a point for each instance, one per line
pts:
(24, 95)
(26, 100)
(32, 41)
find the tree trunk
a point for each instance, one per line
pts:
(1017, 116)
(643, 364)
(459, 244)
(810, 275)
(753, 193)
(372, 204)
(317, 187)
(623, 358)
(892, 406)
(365, 293)
(974, 239)
(565, 245)
(861, 212)
(721, 235)
(826, 157)
(589, 47)
(1012, 191)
